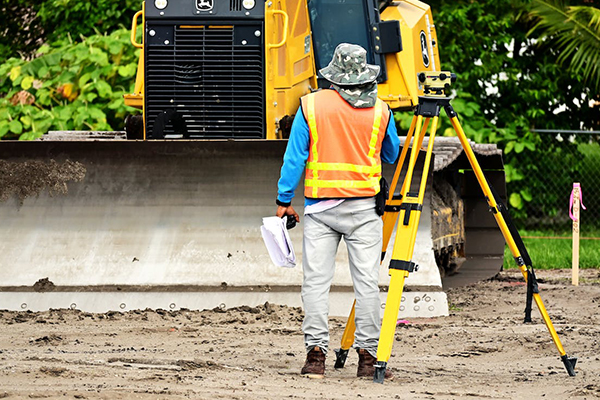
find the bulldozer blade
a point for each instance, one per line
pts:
(95, 217)
(113, 224)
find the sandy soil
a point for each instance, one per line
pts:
(482, 350)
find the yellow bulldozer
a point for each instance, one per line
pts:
(167, 214)
(219, 69)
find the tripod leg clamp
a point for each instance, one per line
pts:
(379, 375)
(404, 265)
(408, 207)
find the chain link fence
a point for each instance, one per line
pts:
(566, 157)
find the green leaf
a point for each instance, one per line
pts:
(515, 201)
(526, 195)
(43, 49)
(96, 73)
(71, 55)
(128, 70)
(116, 103)
(65, 113)
(15, 127)
(84, 79)
(42, 72)
(530, 145)
(512, 174)
(43, 97)
(17, 81)
(27, 136)
(44, 125)
(26, 120)
(519, 146)
(509, 147)
(98, 57)
(53, 59)
(97, 114)
(3, 128)
(104, 89)
(115, 47)
(468, 111)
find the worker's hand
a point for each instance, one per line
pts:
(289, 210)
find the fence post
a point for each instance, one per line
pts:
(574, 202)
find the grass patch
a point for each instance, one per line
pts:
(454, 307)
(548, 252)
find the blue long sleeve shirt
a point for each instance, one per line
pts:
(296, 155)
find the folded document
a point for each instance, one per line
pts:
(278, 242)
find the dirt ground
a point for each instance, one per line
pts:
(481, 351)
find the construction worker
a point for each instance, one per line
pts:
(339, 138)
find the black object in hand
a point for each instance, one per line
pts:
(291, 222)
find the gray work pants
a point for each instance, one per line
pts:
(362, 229)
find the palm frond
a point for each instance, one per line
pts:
(592, 14)
(575, 31)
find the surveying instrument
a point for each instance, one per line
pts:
(405, 208)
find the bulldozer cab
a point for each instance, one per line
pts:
(348, 21)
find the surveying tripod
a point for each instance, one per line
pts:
(406, 208)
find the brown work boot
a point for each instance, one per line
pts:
(314, 367)
(366, 366)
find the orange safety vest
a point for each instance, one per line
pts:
(345, 146)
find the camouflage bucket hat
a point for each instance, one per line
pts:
(349, 67)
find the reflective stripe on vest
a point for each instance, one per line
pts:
(312, 125)
(371, 183)
(373, 171)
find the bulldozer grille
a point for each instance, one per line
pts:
(210, 80)
(235, 5)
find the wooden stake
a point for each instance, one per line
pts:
(575, 261)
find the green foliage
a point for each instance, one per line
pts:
(73, 86)
(48, 21)
(575, 31)
(76, 17)
(14, 39)
(507, 87)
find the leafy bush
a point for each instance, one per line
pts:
(62, 17)
(73, 86)
(509, 84)
(47, 21)
(21, 33)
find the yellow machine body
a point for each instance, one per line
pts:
(289, 61)
(401, 90)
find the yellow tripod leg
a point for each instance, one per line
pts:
(401, 264)
(402, 157)
(389, 221)
(393, 203)
(341, 354)
(569, 362)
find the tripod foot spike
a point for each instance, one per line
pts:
(379, 375)
(340, 358)
(569, 364)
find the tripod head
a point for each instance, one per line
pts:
(433, 83)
